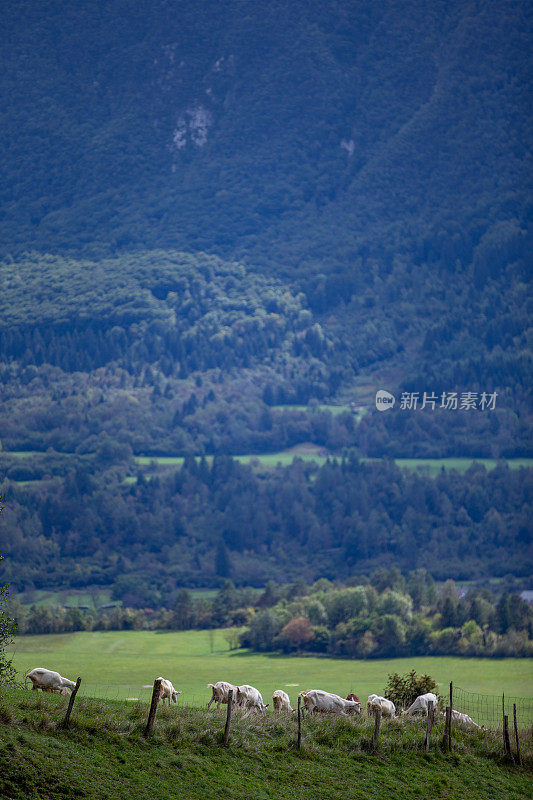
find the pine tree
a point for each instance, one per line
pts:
(222, 561)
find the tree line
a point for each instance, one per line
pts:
(387, 615)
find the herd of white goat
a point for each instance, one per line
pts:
(248, 698)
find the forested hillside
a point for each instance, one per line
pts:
(199, 525)
(306, 136)
(223, 227)
(369, 159)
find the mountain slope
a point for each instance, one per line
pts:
(302, 135)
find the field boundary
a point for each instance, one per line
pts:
(487, 709)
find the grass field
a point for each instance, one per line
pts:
(103, 755)
(79, 598)
(308, 451)
(311, 452)
(123, 664)
(432, 466)
(76, 598)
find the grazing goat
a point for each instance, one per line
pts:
(167, 691)
(49, 681)
(281, 701)
(319, 701)
(221, 690)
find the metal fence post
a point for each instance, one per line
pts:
(431, 717)
(518, 753)
(225, 738)
(299, 744)
(377, 723)
(450, 724)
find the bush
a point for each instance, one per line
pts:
(404, 689)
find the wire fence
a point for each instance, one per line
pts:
(487, 709)
(137, 694)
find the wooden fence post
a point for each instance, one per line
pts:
(299, 745)
(518, 753)
(225, 738)
(431, 716)
(66, 721)
(377, 723)
(153, 708)
(450, 744)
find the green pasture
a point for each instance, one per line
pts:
(79, 598)
(69, 597)
(334, 410)
(122, 664)
(310, 452)
(306, 451)
(104, 755)
(432, 466)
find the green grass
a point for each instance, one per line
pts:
(306, 451)
(104, 755)
(120, 663)
(23, 453)
(334, 410)
(69, 597)
(432, 466)
(312, 452)
(77, 598)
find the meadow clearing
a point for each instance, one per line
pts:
(124, 664)
(103, 753)
(310, 452)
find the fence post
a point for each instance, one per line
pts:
(450, 724)
(446, 737)
(518, 753)
(299, 745)
(377, 722)
(431, 713)
(506, 739)
(153, 708)
(225, 738)
(66, 721)
(503, 724)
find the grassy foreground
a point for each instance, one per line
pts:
(104, 755)
(123, 664)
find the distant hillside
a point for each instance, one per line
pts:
(372, 156)
(307, 136)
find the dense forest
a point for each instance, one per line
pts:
(224, 227)
(365, 213)
(169, 353)
(200, 524)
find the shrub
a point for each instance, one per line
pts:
(404, 689)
